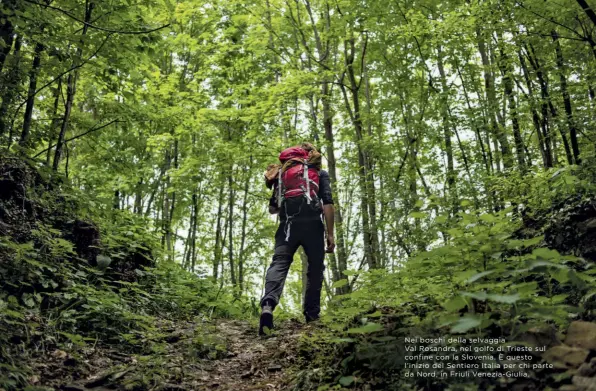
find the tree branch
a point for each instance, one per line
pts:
(78, 136)
(107, 30)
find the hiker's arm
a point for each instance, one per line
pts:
(329, 212)
(326, 196)
(273, 208)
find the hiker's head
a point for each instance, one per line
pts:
(308, 147)
(314, 157)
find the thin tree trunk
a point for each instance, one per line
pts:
(6, 31)
(355, 115)
(538, 124)
(544, 108)
(217, 248)
(507, 71)
(451, 176)
(243, 231)
(370, 177)
(33, 74)
(54, 123)
(193, 243)
(339, 259)
(230, 224)
(165, 206)
(566, 98)
(497, 131)
(10, 90)
(71, 90)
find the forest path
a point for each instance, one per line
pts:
(252, 362)
(224, 355)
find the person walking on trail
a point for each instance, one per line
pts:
(302, 197)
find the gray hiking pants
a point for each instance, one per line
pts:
(311, 236)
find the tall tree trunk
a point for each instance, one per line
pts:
(171, 239)
(338, 259)
(497, 131)
(451, 176)
(538, 123)
(165, 206)
(566, 98)
(370, 163)
(241, 255)
(193, 243)
(544, 109)
(71, 90)
(507, 73)
(218, 234)
(230, 224)
(54, 123)
(33, 74)
(10, 90)
(6, 30)
(355, 115)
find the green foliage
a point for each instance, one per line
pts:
(484, 280)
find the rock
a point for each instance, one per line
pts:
(545, 336)
(568, 387)
(565, 357)
(60, 354)
(585, 383)
(588, 369)
(582, 335)
(274, 368)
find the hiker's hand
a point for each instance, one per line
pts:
(273, 210)
(330, 244)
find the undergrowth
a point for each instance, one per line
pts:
(488, 279)
(56, 295)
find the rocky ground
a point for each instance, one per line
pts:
(575, 357)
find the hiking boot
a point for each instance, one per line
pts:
(266, 322)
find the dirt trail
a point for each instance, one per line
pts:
(226, 355)
(252, 363)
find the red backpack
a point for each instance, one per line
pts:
(296, 178)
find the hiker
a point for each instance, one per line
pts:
(301, 196)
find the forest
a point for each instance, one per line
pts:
(460, 141)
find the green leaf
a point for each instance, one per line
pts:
(561, 275)
(506, 299)
(366, 329)
(487, 218)
(340, 283)
(466, 323)
(533, 241)
(346, 380)
(479, 276)
(558, 299)
(418, 215)
(455, 304)
(546, 253)
(441, 219)
(476, 295)
(341, 340)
